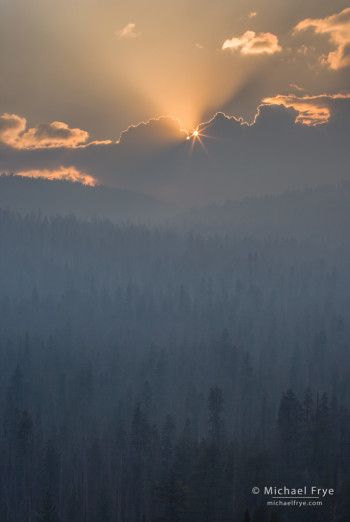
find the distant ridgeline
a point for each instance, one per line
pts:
(59, 197)
(318, 214)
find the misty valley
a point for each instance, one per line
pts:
(178, 367)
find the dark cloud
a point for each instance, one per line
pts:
(154, 133)
(228, 159)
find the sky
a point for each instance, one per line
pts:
(103, 91)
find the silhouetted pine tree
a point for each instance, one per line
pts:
(215, 410)
(48, 512)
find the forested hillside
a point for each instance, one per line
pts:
(63, 197)
(155, 375)
(316, 214)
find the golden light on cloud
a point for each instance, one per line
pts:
(14, 134)
(11, 127)
(313, 110)
(296, 87)
(52, 135)
(62, 173)
(337, 27)
(252, 43)
(128, 31)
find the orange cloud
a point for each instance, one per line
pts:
(62, 173)
(128, 32)
(11, 126)
(337, 27)
(13, 134)
(297, 87)
(52, 135)
(253, 43)
(313, 110)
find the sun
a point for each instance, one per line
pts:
(195, 134)
(197, 138)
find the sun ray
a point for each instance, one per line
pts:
(196, 137)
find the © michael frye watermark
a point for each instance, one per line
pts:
(300, 497)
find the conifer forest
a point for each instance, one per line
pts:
(154, 374)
